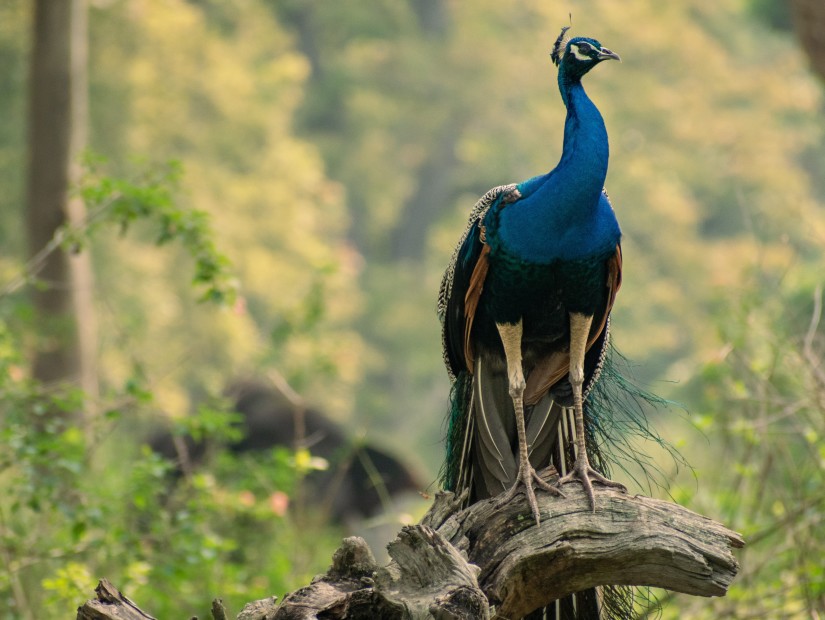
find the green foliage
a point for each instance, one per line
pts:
(76, 506)
(72, 511)
(762, 401)
(215, 421)
(150, 196)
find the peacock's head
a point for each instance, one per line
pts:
(580, 55)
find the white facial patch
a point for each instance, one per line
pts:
(578, 53)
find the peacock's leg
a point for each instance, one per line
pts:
(582, 471)
(511, 339)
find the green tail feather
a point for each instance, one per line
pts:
(460, 395)
(616, 413)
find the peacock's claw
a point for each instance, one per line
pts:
(525, 478)
(584, 473)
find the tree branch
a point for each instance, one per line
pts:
(629, 540)
(456, 564)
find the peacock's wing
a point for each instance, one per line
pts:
(465, 274)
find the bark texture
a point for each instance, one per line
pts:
(484, 561)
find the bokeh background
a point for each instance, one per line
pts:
(335, 149)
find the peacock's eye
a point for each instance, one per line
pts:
(585, 48)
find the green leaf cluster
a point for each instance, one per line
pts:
(761, 463)
(151, 197)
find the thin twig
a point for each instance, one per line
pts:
(299, 409)
(18, 591)
(36, 263)
(755, 539)
(808, 346)
(375, 478)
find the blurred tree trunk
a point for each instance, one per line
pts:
(58, 105)
(809, 22)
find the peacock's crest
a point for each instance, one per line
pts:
(558, 46)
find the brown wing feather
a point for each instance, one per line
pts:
(550, 370)
(471, 301)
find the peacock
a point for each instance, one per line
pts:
(525, 312)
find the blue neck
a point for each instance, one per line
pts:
(560, 213)
(583, 165)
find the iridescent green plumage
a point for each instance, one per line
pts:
(457, 428)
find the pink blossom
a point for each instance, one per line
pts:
(278, 503)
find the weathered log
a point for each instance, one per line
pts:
(110, 604)
(460, 564)
(629, 540)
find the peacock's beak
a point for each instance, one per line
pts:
(606, 54)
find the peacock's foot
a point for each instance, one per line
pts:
(526, 477)
(585, 474)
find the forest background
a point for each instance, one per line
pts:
(324, 158)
